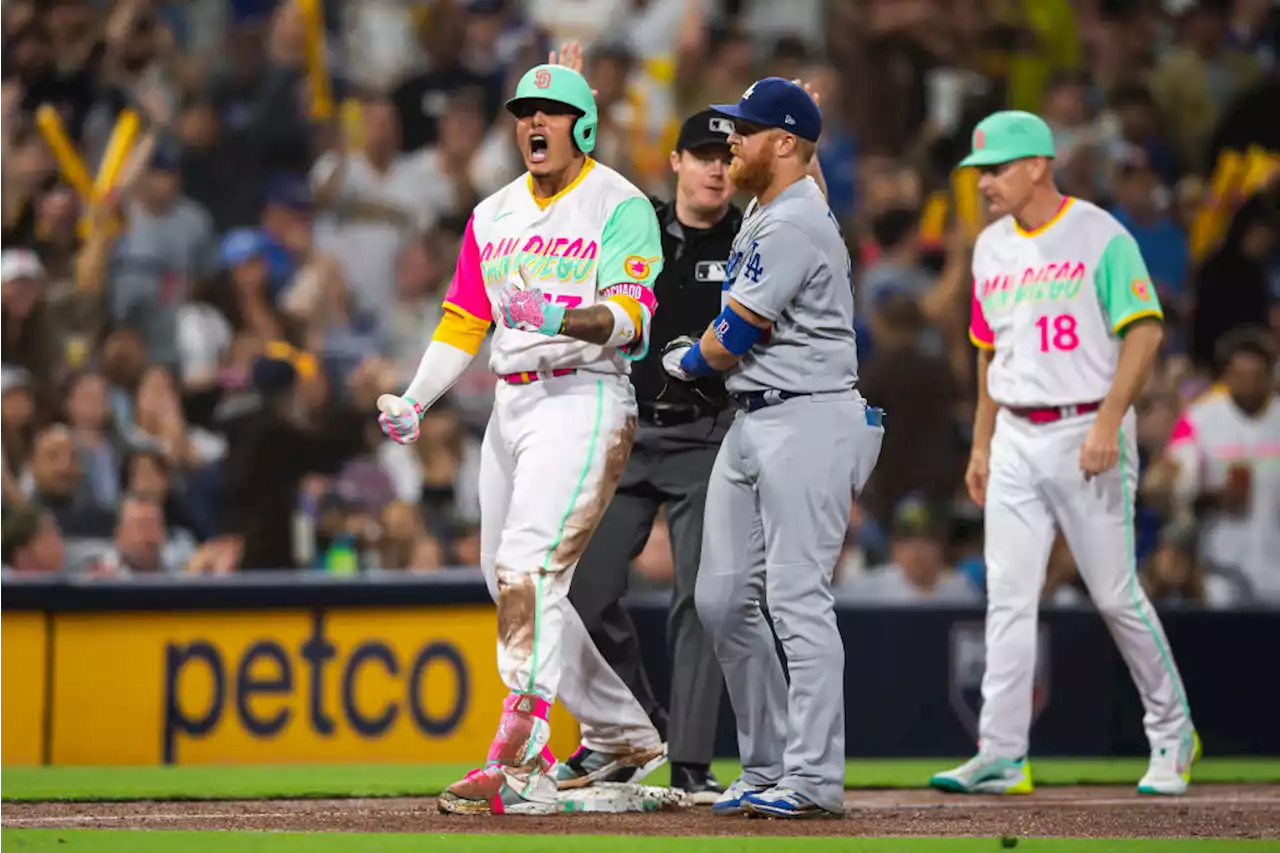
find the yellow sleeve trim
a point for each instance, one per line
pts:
(980, 344)
(461, 330)
(632, 306)
(1133, 318)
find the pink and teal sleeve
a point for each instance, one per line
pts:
(979, 329)
(467, 312)
(466, 291)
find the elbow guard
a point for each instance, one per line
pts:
(734, 333)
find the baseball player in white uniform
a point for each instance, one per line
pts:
(1067, 324)
(563, 259)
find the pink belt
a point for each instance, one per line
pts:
(528, 377)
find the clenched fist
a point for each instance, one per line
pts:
(399, 418)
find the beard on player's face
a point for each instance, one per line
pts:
(752, 168)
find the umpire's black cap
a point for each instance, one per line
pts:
(702, 129)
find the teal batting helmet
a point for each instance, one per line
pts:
(564, 86)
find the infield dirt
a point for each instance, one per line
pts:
(1208, 811)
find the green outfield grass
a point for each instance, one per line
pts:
(390, 780)
(108, 841)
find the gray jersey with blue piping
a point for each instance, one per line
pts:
(790, 265)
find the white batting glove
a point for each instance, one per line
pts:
(400, 418)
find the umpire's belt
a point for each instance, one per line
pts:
(749, 401)
(669, 414)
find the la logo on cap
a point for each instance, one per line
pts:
(750, 90)
(979, 139)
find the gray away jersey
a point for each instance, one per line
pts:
(790, 265)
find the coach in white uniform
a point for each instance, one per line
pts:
(1067, 324)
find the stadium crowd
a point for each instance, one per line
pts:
(229, 225)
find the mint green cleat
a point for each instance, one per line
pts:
(983, 775)
(1169, 773)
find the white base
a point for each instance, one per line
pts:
(620, 797)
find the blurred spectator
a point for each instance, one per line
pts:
(466, 545)
(1224, 449)
(1175, 576)
(608, 68)
(98, 444)
(462, 168)
(56, 482)
(158, 423)
(28, 336)
(922, 452)
(294, 433)
(32, 541)
(1042, 40)
(838, 147)
(242, 295)
(917, 573)
(1163, 244)
(150, 474)
(335, 327)
(421, 283)
(124, 360)
(1233, 288)
(422, 100)
(371, 203)
(288, 215)
(898, 269)
(17, 412)
(140, 544)
(441, 471)
(1135, 123)
(1198, 78)
(165, 248)
(1251, 30)
(405, 543)
(1067, 112)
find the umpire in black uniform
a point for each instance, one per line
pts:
(679, 433)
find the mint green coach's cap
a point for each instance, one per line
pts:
(1009, 135)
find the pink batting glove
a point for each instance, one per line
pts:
(530, 311)
(399, 418)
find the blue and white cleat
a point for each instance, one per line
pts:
(731, 801)
(783, 803)
(985, 775)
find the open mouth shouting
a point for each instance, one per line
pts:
(537, 148)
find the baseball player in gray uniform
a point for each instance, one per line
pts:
(802, 443)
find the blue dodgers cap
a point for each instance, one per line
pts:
(774, 102)
(241, 245)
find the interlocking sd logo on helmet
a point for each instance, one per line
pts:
(542, 79)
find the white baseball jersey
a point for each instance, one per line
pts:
(595, 239)
(1053, 304)
(1212, 436)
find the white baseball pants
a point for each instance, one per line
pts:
(552, 456)
(1036, 483)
